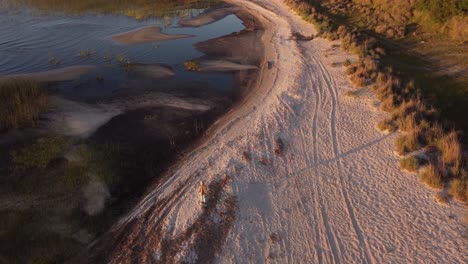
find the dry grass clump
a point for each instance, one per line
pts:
(21, 103)
(432, 176)
(411, 163)
(408, 143)
(459, 189)
(442, 198)
(451, 150)
(386, 125)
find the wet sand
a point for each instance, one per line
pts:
(145, 35)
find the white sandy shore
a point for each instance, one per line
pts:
(224, 66)
(336, 195)
(208, 17)
(57, 75)
(145, 35)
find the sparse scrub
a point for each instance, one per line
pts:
(432, 176)
(21, 103)
(192, 65)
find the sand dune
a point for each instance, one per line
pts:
(145, 35)
(224, 66)
(208, 17)
(57, 75)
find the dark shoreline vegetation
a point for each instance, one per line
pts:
(21, 103)
(426, 107)
(59, 193)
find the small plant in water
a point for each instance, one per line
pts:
(54, 61)
(85, 53)
(192, 65)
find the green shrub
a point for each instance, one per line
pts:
(39, 154)
(21, 103)
(346, 63)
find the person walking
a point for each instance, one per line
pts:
(202, 192)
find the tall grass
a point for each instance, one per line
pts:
(21, 103)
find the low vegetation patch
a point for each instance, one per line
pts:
(411, 163)
(386, 125)
(39, 154)
(21, 103)
(432, 176)
(192, 65)
(459, 188)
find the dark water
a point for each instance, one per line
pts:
(30, 39)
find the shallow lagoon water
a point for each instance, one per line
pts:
(32, 40)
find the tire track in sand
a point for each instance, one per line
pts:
(331, 86)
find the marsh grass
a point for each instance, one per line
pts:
(39, 154)
(21, 103)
